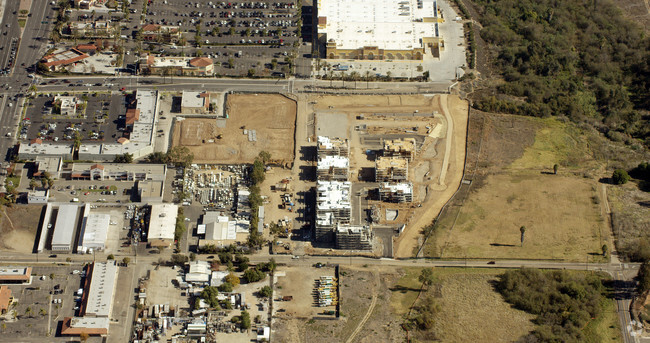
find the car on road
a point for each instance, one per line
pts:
(123, 89)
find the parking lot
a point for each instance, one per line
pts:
(238, 36)
(41, 305)
(98, 122)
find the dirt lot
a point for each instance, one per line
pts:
(300, 283)
(18, 227)
(358, 286)
(273, 118)
(637, 10)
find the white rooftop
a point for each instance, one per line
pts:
(199, 272)
(90, 322)
(163, 221)
(222, 229)
(45, 149)
(387, 24)
(64, 227)
(326, 162)
(406, 188)
(192, 99)
(95, 230)
(333, 195)
(102, 287)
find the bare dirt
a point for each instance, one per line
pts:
(358, 285)
(451, 173)
(272, 116)
(299, 283)
(636, 10)
(18, 227)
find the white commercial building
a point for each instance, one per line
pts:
(333, 168)
(38, 196)
(199, 272)
(379, 29)
(332, 207)
(65, 228)
(94, 232)
(162, 224)
(36, 148)
(99, 301)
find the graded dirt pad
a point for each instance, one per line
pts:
(375, 103)
(18, 227)
(300, 284)
(358, 285)
(561, 215)
(271, 116)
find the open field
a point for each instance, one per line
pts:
(300, 283)
(630, 220)
(272, 117)
(560, 224)
(18, 227)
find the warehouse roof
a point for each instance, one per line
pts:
(102, 287)
(95, 229)
(163, 221)
(64, 228)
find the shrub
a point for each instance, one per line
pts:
(620, 177)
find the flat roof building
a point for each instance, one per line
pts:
(332, 168)
(151, 191)
(38, 196)
(162, 224)
(117, 172)
(92, 326)
(94, 232)
(16, 275)
(353, 237)
(49, 165)
(380, 29)
(99, 302)
(332, 207)
(36, 148)
(198, 272)
(65, 228)
(5, 299)
(195, 102)
(327, 146)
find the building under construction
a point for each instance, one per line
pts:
(396, 192)
(394, 169)
(353, 237)
(332, 208)
(332, 147)
(404, 147)
(333, 168)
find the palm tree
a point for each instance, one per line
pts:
(28, 311)
(367, 77)
(523, 232)
(50, 183)
(42, 312)
(354, 76)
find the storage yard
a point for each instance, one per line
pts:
(254, 123)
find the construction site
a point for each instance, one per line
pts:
(252, 123)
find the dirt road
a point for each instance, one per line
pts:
(455, 111)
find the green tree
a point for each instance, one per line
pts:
(225, 287)
(522, 230)
(266, 292)
(245, 320)
(192, 256)
(126, 261)
(209, 294)
(555, 168)
(265, 156)
(257, 174)
(42, 312)
(620, 177)
(254, 275)
(179, 259)
(124, 158)
(605, 249)
(110, 257)
(29, 312)
(33, 184)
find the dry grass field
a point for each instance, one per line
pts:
(272, 116)
(561, 215)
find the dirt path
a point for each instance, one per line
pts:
(370, 309)
(455, 111)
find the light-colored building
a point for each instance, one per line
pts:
(66, 105)
(118, 172)
(171, 65)
(195, 102)
(92, 29)
(92, 326)
(218, 230)
(332, 207)
(198, 272)
(38, 196)
(162, 224)
(391, 169)
(160, 33)
(333, 168)
(49, 165)
(151, 191)
(65, 228)
(84, 4)
(36, 148)
(405, 148)
(332, 147)
(15, 275)
(99, 297)
(380, 29)
(396, 192)
(94, 232)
